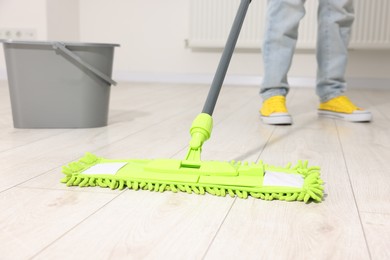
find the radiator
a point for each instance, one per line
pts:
(210, 22)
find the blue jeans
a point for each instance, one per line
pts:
(335, 18)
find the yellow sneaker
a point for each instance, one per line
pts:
(342, 108)
(274, 111)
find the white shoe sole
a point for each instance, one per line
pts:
(277, 119)
(356, 116)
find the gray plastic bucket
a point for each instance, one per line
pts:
(59, 85)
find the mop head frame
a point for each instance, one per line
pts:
(237, 179)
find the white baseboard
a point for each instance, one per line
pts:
(3, 74)
(245, 80)
(369, 83)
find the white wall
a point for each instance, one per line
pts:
(152, 36)
(63, 20)
(151, 33)
(51, 19)
(22, 14)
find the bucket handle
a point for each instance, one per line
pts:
(69, 53)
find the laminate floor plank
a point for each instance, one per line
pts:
(31, 219)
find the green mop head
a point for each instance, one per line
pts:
(259, 180)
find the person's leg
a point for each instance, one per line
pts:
(280, 37)
(335, 19)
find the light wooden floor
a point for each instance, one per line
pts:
(41, 218)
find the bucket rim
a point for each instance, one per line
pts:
(50, 43)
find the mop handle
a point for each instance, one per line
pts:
(225, 58)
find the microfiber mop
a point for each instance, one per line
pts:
(192, 175)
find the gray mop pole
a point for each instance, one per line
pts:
(225, 58)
